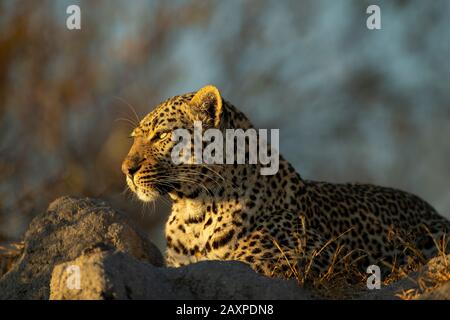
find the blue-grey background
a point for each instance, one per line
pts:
(351, 104)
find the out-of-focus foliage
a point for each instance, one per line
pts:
(351, 104)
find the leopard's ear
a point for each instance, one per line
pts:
(208, 102)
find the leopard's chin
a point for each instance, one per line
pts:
(147, 195)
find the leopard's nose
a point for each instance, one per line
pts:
(133, 170)
(129, 168)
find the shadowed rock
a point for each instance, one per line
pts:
(69, 228)
(115, 275)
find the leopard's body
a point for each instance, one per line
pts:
(275, 223)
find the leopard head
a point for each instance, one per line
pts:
(149, 167)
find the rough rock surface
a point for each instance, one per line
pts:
(69, 228)
(115, 275)
(83, 249)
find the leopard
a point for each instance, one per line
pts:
(281, 225)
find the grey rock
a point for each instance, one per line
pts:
(68, 229)
(116, 275)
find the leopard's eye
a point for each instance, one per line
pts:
(160, 136)
(163, 135)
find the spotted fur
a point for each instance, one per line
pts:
(275, 223)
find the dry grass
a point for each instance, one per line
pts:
(434, 275)
(344, 280)
(340, 280)
(428, 281)
(9, 254)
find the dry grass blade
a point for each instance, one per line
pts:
(9, 253)
(433, 275)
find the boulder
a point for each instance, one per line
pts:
(117, 275)
(68, 229)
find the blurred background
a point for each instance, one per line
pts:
(351, 104)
